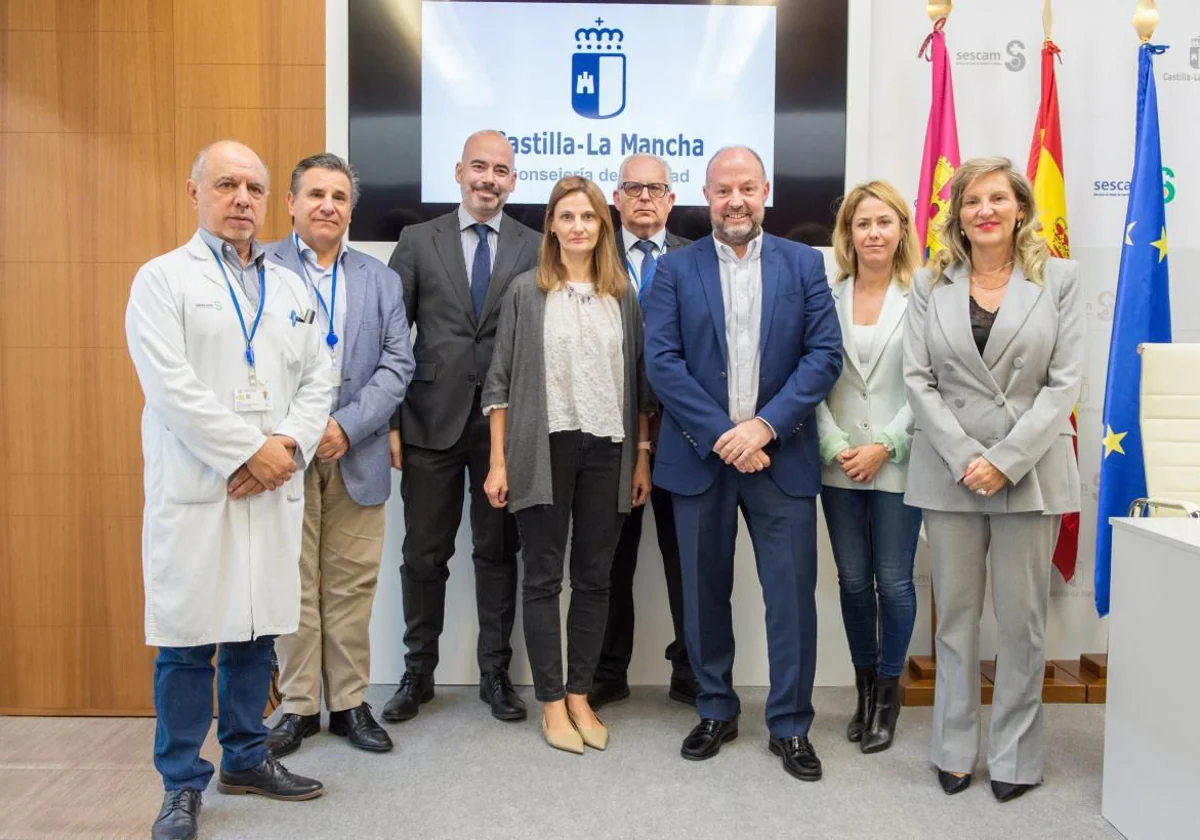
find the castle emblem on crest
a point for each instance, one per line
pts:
(598, 72)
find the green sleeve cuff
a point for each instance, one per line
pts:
(832, 445)
(900, 444)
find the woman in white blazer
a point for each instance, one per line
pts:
(993, 354)
(865, 427)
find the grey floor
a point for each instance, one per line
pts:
(456, 773)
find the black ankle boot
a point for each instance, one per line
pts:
(864, 682)
(885, 711)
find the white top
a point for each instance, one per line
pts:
(861, 337)
(741, 292)
(585, 362)
(635, 256)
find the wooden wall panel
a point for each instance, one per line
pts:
(103, 105)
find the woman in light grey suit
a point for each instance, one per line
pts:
(865, 428)
(568, 409)
(993, 352)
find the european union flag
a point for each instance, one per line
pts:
(1142, 315)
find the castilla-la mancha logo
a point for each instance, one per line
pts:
(598, 72)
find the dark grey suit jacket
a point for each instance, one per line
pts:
(453, 350)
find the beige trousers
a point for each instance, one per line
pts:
(339, 567)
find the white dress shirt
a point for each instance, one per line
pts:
(470, 239)
(316, 278)
(741, 292)
(635, 256)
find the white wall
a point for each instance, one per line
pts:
(888, 106)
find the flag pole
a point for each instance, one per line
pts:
(1145, 19)
(1048, 19)
(937, 11)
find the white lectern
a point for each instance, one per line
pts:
(1151, 741)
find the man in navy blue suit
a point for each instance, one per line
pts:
(742, 343)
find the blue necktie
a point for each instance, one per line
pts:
(481, 269)
(647, 272)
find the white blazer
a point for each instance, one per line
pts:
(215, 569)
(867, 403)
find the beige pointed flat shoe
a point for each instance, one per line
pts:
(568, 740)
(596, 738)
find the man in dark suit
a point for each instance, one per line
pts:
(455, 270)
(643, 199)
(742, 344)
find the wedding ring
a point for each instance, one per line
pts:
(981, 492)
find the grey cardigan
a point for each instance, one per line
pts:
(517, 378)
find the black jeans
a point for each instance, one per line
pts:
(432, 486)
(585, 472)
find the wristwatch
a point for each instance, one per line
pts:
(888, 448)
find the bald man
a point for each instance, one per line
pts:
(455, 270)
(237, 394)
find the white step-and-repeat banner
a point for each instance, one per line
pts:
(995, 52)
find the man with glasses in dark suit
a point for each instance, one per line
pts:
(643, 199)
(455, 270)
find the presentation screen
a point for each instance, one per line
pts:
(577, 87)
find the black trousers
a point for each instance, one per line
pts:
(586, 472)
(618, 636)
(432, 487)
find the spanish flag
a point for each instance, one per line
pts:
(940, 159)
(1046, 172)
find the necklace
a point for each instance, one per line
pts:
(984, 288)
(979, 285)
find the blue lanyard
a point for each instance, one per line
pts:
(330, 337)
(237, 307)
(643, 284)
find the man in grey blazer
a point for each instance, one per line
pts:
(455, 270)
(358, 308)
(643, 199)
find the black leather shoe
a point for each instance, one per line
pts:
(1008, 791)
(607, 691)
(953, 784)
(706, 738)
(799, 758)
(360, 728)
(864, 682)
(684, 690)
(885, 711)
(496, 689)
(414, 691)
(272, 780)
(286, 736)
(178, 815)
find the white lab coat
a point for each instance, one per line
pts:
(215, 569)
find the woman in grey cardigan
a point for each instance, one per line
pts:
(568, 406)
(993, 356)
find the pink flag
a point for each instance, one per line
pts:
(941, 146)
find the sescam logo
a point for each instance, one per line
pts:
(1193, 60)
(598, 72)
(1015, 50)
(1120, 189)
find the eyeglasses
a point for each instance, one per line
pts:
(633, 189)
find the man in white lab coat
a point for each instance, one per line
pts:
(237, 395)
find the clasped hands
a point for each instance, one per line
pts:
(861, 463)
(275, 462)
(982, 477)
(742, 446)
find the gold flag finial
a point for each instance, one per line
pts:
(1048, 19)
(938, 10)
(1145, 19)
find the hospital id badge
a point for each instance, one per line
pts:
(251, 399)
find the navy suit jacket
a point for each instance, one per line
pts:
(377, 365)
(687, 360)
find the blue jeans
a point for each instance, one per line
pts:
(874, 537)
(183, 700)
